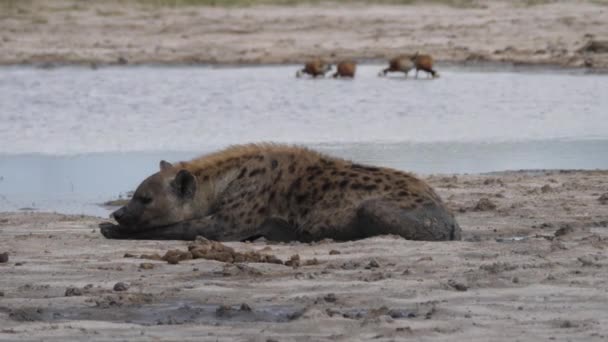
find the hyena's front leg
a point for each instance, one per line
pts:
(210, 227)
(186, 230)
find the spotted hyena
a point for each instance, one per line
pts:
(283, 193)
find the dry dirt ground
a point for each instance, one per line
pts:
(75, 31)
(532, 267)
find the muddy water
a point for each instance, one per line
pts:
(71, 138)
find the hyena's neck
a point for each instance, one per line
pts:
(215, 176)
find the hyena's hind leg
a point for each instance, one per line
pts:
(430, 222)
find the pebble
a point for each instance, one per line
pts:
(330, 298)
(146, 266)
(72, 292)
(457, 285)
(484, 204)
(120, 286)
(372, 264)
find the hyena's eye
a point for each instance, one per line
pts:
(145, 199)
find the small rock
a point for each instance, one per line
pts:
(3, 257)
(404, 329)
(557, 245)
(330, 298)
(129, 255)
(350, 265)
(372, 264)
(120, 286)
(484, 204)
(88, 286)
(603, 198)
(73, 291)
(173, 259)
(399, 314)
(567, 324)
(154, 256)
(245, 307)
(564, 230)
(457, 285)
(334, 252)
(1, 293)
(546, 189)
(294, 261)
(595, 46)
(146, 266)
(515, 280)
(121, 60)
(311, 262)
(588, 261)
(223, 310)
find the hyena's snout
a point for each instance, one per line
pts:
(120, 215)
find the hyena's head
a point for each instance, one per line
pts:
(166, 197)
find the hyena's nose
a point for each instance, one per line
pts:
(118, 214)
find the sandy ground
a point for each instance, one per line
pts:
(532, 267)
(70, 31)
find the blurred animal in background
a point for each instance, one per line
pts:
(315, 67)
(425, 63)
(401, 63)
(346, 69)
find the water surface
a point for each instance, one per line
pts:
(71, 137)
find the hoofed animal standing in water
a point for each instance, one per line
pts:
(425, 63)
(346, 69)
(283, 193)
(316, 67)
(398, 64)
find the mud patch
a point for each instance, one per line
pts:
(159, 314)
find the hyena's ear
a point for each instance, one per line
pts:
(165, 165)
(184, 184)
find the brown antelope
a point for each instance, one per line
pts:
(345, 69)
(315, 67)
(425, 63)
(398, 64)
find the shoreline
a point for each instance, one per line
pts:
(63, 31)
(483, 66)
